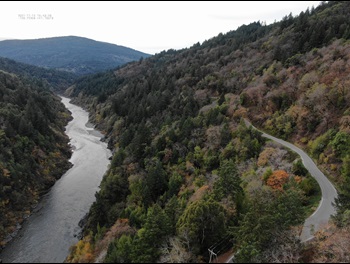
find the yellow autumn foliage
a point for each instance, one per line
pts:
(265, 156)
(82, 252)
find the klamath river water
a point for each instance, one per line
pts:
(48, 234)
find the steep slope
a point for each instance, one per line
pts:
(34, 150)
(72, 54)
(186, 171)
(57, 80)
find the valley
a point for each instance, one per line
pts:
(48, 233)
(180, 175)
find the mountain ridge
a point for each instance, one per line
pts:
(75, 54)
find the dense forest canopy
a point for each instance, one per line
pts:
(34, 150)
(188, 174)
(56, 80)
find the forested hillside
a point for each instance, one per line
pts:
(72, 54)
(187, 175)
(57, 80)
(34, 150)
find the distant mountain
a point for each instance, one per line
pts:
(73, 54)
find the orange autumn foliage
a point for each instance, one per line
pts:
(298, 179)
(277, 179)
(199, 194)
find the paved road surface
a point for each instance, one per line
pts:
(325, 209)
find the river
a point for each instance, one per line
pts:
(48, 234)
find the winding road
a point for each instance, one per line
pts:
(325, 209)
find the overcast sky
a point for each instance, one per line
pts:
(149, 27)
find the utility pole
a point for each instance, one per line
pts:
(212, 253)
